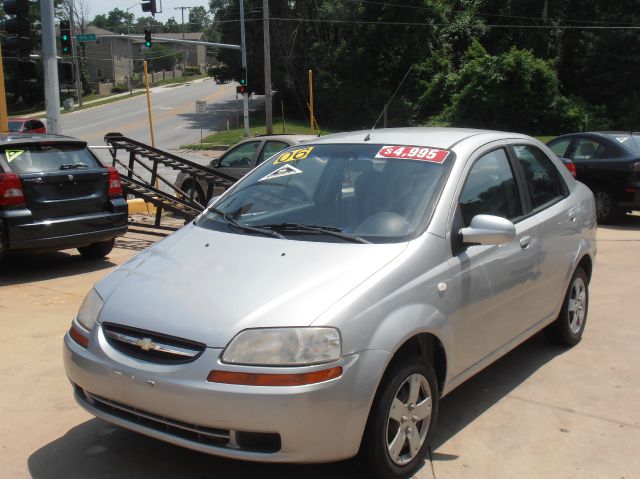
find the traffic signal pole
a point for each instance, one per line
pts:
(267, 67)
(4, 117)
(245, 95)
(50, 63)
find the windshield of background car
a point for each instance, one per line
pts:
(378, 193)
(15, 126)
(36, 158)
(631, 141)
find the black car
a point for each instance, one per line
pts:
(55, 194)
(608, 162)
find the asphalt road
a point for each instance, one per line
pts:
(174, 118)
(539, 412)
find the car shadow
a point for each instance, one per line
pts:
(626, 223)
(98, 449)
(20, 268)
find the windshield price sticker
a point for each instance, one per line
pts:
(293, 155)
(421, 153)
(13, 154)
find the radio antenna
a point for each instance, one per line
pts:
(387, 104)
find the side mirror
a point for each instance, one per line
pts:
(212, 200)
(488, 229)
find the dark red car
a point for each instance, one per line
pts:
(26, 125)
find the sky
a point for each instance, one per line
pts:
(97, 7)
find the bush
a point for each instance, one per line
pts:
(191, 71)
(120, 88)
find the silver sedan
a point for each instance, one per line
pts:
(325, 304)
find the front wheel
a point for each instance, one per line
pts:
(97, 250)
(401, 421)
(567, 329)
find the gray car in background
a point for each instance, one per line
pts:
(322, 307)
(239, 160)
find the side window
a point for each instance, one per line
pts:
(559, 147)
(543, 179)
(270, 149)
(38, 124)
(490, 189)
(587, 149)
(240, 156)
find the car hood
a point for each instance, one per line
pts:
(207, 286)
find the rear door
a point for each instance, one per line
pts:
(59, 179)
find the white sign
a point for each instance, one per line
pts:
(201, 106)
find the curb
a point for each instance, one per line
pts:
(138, 206)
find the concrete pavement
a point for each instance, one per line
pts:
(539, 412)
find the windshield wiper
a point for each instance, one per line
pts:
(256, 229)
(316, 229)
(73, 166)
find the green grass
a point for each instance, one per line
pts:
(256, 127)
(545, 139)
(177, 81)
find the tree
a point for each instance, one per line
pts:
(513, 91)
(159, 58)
(199, 19)
(171, 26)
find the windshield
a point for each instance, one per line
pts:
(630, 140)
(336, 192)
(36, 158)
(14, 126)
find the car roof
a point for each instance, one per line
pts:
(24, 118)
(290, 138)
(442, 138)
(36, 138)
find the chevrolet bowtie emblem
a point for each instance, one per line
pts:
(146, 344)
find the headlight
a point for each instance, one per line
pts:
(284, 346)
(90, 309)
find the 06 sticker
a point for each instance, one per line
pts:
(293, 155)
(421, 153)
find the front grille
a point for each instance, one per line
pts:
(248, 441)
(150, 346)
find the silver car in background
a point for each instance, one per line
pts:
(323, 306)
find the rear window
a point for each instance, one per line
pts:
(630, 141)
(51, 157)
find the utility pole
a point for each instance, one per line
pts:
(76, 63)
(267, 67)
(50, 61)
(243, 46)
(182, 9)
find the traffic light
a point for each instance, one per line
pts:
(66, 73)
(18, 27)
(65, 37)
(150, 6)
(147, 38)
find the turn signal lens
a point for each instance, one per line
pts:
(115, 186)
(251, 379)
(78, 337)
(572, 168)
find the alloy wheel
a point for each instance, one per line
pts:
(408, 419)
(577, 305)
(603, 204)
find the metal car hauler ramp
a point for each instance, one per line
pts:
(141, 178)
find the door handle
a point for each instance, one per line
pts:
(525, 242)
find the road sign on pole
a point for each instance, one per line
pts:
(86, 37)
(201, 109)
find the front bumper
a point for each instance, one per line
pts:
(315, 423)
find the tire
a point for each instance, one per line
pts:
(607, 210)
(198, 194)
(567, 329)
(378, 452)
(97, 250)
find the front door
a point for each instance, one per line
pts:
(491, 282)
